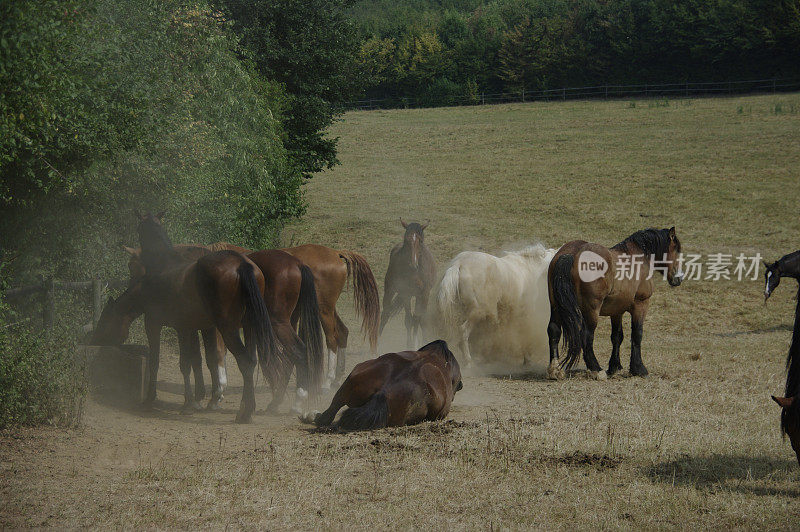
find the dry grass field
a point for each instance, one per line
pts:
(696, 444)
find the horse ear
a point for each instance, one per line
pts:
(426, 224)
(672, 232)
(785, 402)
(130, 251)
(160, 216)
(405, 225)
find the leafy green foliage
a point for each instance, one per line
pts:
(134, 104)
(310, 47)
(511, 45)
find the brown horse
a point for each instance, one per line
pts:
(396, 389)
(586, 281)
(331, 268)
(290, 295)
(221, 290)
(410, 275)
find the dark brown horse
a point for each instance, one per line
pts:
(410, 275)
(331, 268)
(586, 281)
(789, 266)
(291, 299)
(396, 389)
(221, 291)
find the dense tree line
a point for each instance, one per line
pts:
(436, 49)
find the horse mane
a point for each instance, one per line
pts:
(649, 241)
(157, 249)
(793, 260)
(534, 251)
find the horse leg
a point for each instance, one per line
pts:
(554, 370)
(153, 331)
(197, 368)
(614, 364)
(297, 353)
(420, 310)
(340, 399)
(637, 331)
(328, 321)
(390, 306)
(215, 360)
(463, 343)
(186, 358)
(246, 359)
(409, 323)
(589, 326)
(342, 334)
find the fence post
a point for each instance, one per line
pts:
(523, 94)
(97, 301)
(48, 302)
(483, 99)
(564, 94)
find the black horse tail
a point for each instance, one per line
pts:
(567, 312)
(374, 414)
(793, 370)
(309, 329)
(256, 323)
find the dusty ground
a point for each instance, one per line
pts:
(695, 444)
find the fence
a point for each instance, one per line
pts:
(45, 293)
(644, 90)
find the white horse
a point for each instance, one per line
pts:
(496, 308)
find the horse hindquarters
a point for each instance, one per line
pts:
(565, 312)
(374, 414)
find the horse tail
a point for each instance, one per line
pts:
(309, 327)
(567, 312)
(447, 299)
(374, 414)
(365, 295)
(256, 323)
(793, 367)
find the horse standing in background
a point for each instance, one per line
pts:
(503, 300)
(788, 266)
(410, 275)
(583, 285)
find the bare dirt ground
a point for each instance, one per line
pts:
(696, 444)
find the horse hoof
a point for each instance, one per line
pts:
(554, 373)
(598, 375)
(613, 370)
(639, 371)
(214, 404)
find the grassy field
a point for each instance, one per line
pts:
(696, 444)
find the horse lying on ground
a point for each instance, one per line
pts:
(583, 285)
(789, 266)
(395, 389)
(495, 308)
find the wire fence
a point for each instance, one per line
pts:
(597, 92)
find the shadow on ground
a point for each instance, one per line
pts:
(744, 474)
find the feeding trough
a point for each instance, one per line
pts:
(117, 371)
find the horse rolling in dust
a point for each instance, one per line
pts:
(410, 275)
(495, 306)
(395, 389)
(580, 293)
(789, 266)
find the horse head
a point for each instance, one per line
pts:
(450, 362)
(413, 240)
(674, 271)
(114, 324)
(772, 278)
